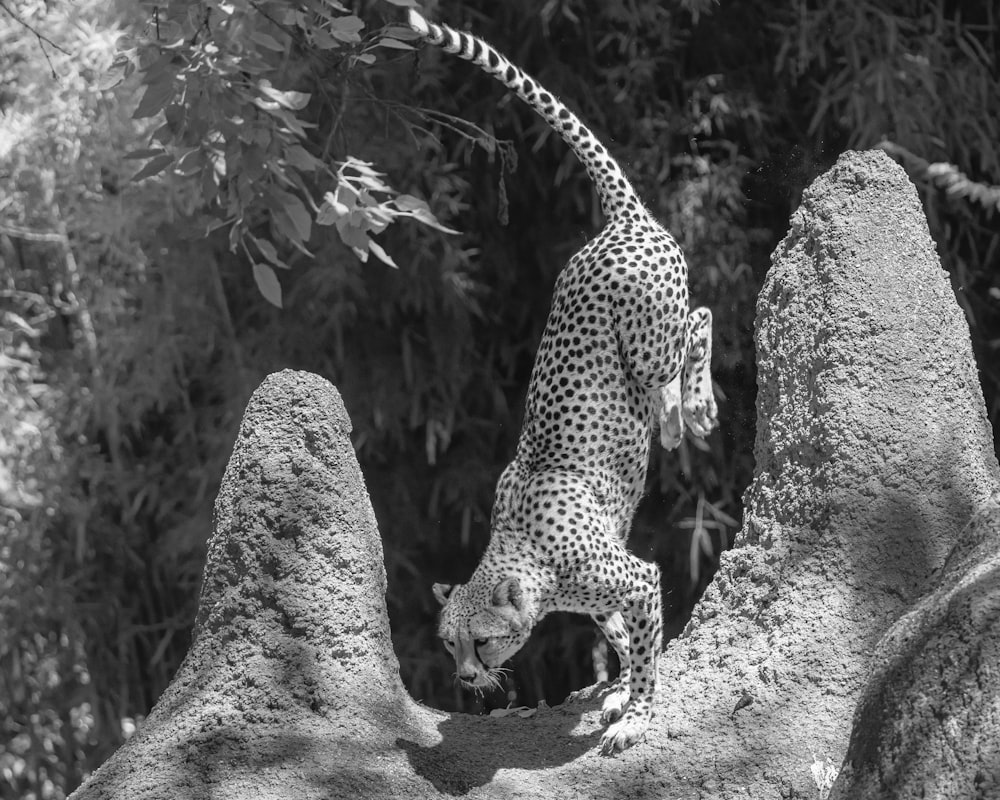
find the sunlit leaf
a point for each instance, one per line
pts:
(268, 283)
(331, 210)
(380, 253)
(352, 235)
(290, 100)
(425, 216)
(112, 77)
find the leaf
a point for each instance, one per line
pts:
(302, 159)
(299, 215)
(269, 252)
(382, 256)
(331, 211)
(191, 162)
(174, 115)
(292, 124)
(395, 44)
(407, 202)
(361, 167)
(268, 283)
(404, 3)
(400, 32)
(157, 95)
(153, 166)
(294, 101)
(322, 8)
(322, 40)
(426, 217)
(347, 29)
(111, 78)
(215, 224)
(352, 235)
(162, 135)
(146, 153)
(268, 41)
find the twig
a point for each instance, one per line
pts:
(42, 40)
(26, 235)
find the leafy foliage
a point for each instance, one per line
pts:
(220, 158)
(213, 70)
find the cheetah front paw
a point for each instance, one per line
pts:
(615, 702)
(628, 731)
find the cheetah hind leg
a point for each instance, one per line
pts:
(614, 630)
(698, 407)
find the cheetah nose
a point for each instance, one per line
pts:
(467, 672)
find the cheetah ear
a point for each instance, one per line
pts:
(442, 592)
(508, 601)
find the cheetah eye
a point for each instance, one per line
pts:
(449, 645)
(480, 642)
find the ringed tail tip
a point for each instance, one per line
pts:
(417, 22)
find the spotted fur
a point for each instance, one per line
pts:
(620, 349)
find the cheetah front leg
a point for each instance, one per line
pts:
(643, 618)
(614, 630)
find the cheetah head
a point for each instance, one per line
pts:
(482, 627)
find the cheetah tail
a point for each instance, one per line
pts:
(616, 194)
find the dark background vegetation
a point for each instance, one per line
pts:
(131, 342)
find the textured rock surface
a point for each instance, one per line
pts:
(873, 451)
(291, 687)
(928, 724)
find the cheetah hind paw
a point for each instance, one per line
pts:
(671, 418)
(701, 416)
(629, 730)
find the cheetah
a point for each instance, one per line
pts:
(620, 350)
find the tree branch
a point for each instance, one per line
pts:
(42, 39)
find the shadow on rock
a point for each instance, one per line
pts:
(473, 749)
